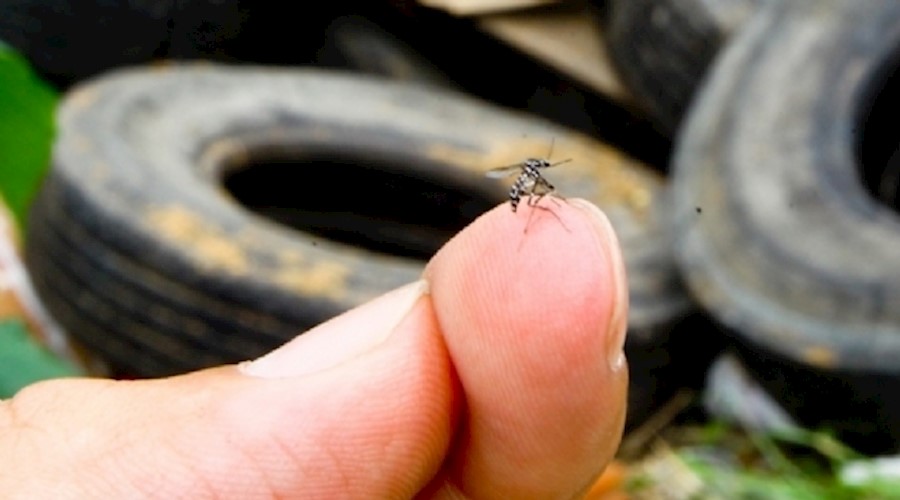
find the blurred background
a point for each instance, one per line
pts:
(191, 183)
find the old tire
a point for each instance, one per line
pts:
(60, 37)
(662, 48)
(67, 41)
(776, 233)
(137, 247)
(354, 42)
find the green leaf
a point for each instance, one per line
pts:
(27, 105)
(23, 361)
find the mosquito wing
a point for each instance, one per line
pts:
(501, 172)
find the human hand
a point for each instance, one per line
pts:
(499, 375)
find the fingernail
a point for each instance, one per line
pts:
(340, 339)
(618, 324)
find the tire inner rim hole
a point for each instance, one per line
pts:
(367, 202)
(878, 147)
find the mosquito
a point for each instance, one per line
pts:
(530, 183)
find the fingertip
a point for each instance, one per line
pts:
(533, 321)
(609, 243)
(564, 274)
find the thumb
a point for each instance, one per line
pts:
(356, 407)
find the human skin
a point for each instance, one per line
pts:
(500, 374)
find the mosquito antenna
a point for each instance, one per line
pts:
(550, 154)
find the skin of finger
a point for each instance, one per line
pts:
(525, 318)
(376, 427)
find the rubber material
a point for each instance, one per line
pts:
(777, 235)
(352, 41)
(148, 239)
(70, 40)
(67, 40)
(662, 48)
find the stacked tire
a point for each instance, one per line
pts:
(784, 194)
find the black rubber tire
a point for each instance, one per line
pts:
(67, 40)
(137, 248)
(354, 42)
(776, 233)
(662, 48)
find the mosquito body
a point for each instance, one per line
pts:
(530, 183)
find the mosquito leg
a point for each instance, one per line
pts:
(530, 214)
(534, 200)
(550, 190)
(534, 197)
